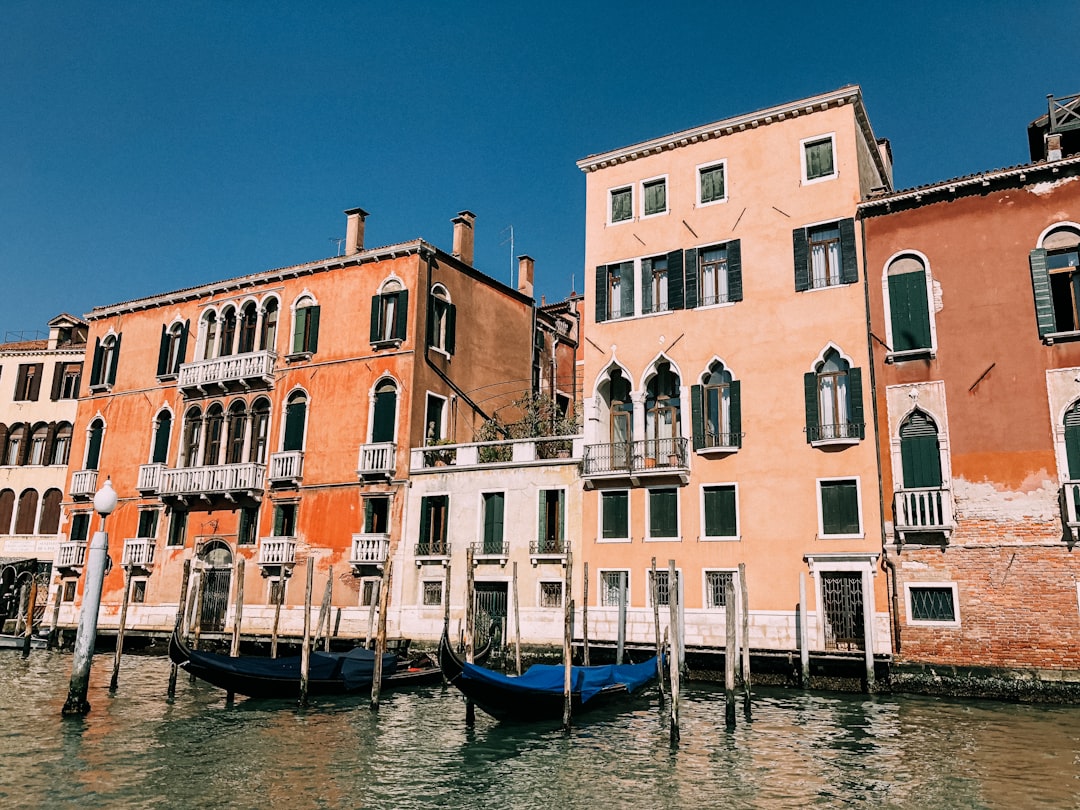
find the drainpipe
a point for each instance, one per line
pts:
(894, 626)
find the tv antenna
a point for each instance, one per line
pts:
(509, 239)
(340, 240)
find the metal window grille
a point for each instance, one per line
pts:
(433, 592)
(842, 595)
(716, 584)
(932, 605)
(551, 594)
(610, 585)
(663, 591)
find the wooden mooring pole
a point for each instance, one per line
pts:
(380, 637)
(674, 652)
(731, 653)
(744, 610)
(277, 611)
(329, 609)
(804, 636)
(446, 605)
(324, 610)
(31, 602)
(584, 617)
(470, 619)
(568, 624)
(620, 645)
(196, 614)
(54, 629)
(656, 629)
(517, 623)
(181, 604)
(238, 617)
(120, 630)
(305, 650)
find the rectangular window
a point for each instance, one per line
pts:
(654, 193)
(824, 246)
(276, 592)
(435, 427)
(818, 162)
(551, 594)
(615, 515)
(721, 515)
(825, 255)
(138, 591)
(432, 592)
(369, 591)
(66, 381)
(433, 512)
(612, 583)
(654, 284)
(389, 313)
(615, 291)
(840, 507)
(934, 604)
(493, 522)
(376, 515)
(663, 513)
(37, 447)
(663, 590)
(247, 533)
(177, 528)
(285, 520)
(306, 329)
(69, 590)
(712, 276)
(148, 523)
(622, 204)
(80, 527)
(711, 187)
(716, 585)
(552, 522)
(28, 382)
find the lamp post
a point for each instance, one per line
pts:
(104, 503)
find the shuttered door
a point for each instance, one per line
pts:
(295, 416)
(94, 452)
(910, 312)
(493, 522)
(1072, 441)
(385, 412)
(919, 453)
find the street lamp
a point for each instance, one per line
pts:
(104, 503)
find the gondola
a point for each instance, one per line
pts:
(328, 673)
(538, 694)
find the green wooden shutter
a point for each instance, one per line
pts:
(735, 411)
(369, 510)
(425, 525)
(93, 454)
(734, 271)
(497, 521)
(909, 311)
(57, 381)
(849, 263)
(690, 288)
(35, 384)
(561, 501)
(601, 293)
(1040, 283)
(811, 395)
(802, 256)
(626, 277)
(385, 412)
(115, 360)
(855, 401)
(541, 536)
(675, 280)
(720, 512)
(451, 327)
(375, 330)
(299, 324)
(697, 423)
(95, 368)
(295, 416)
(163, 352)
(614, 517)
(401, 315)
(1072, 441)
(181, 354)
(646, 288)
(161, 438)
(313, 331)
(920, 456)
(663, 513)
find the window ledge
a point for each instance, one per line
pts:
(440, 350)
(720, 201)
(166, 377)
(298, 357)
(676, 539)
(725, 450)
(663, 213)
(845, 442)
(911, 354)
(809, 181)
(652, 313)
(859, 536)
(1060, 337)
(98, 388)
(717, 305)
(612, 222)
(833, 286)
(392, 343)
(614, 540)
(732, 538)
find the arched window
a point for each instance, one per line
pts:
(210, 332)
(441, 320)
(27, 514)
(385, 413)
(192, 437)
(237, 434)
(61, 445)
(616, 392)
(662, 407)
(228, 331)
(249, 321)
(173, 349)
(162, 435)
(213, 430)
(1072, 441)
(295, 421)
(13, 448)
(305, 326)
(93, 444)
(39, 441)
(50, 512)
(7, 510)
(389, 312)
(833, 400)
(920, 453)
(268, 335)
(1055, 275)
(909, 307)
(260, 430)
(106, 357)
(716, 410)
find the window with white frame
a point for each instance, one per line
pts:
(834, 400)
(389, 313)
(716, 410)
(433, 592)
(663, 586)
(621, 204)
(369, 591)
(654, 197)
(818, 158)
(435, 419)
(552, 529)
(908, 306)
(654, 284)
(839, 507)
(1055, 276)
(305, 326)
(931, 603)
(551, 594)
(716, 585)
(442, 316)
(720, 516)
(614, 588)
(615, 514)
(712, 186)
(663, 514)
(825, 255)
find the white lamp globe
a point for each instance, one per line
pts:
(105, 499)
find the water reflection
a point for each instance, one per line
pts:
(139, 749)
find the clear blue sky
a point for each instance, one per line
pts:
(148, 146)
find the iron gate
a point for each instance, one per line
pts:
(217, 578)
(842, 597)
(490, 603)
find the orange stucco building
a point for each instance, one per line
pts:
(726, 377)
(268, 417)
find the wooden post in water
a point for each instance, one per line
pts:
(517, 623)
(30, 604)
(196, 614)
(584, 617)
(238, 613)
(868, 630)
(568, 621)
(731, 653)
(20, 610)
(676, 643)
(181, 604)
(120, 630)
(329, 608)
(804, 650)
(446, 605)
(277, 611)
(621, 643)
(305, 650)
(656, 628)
(380, 637)
(470, 620)
(54, 628)
(371, 618)
(324, 609)
(744, 607)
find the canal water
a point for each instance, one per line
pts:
(137, 749)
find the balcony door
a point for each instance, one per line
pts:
(382, 429)
(920, 454)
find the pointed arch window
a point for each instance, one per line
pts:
(834, 409)
(192, 437)
(173, 348)
(260, 430)
(213, 430)
(1055, 276)
(389, 313)
(162, 434)
(295, 422)
(268, 333)
(306, 326)
(716, 410)
(106, 356)
(662, 405)
(93, 444)
(920, 452)
(228, 332)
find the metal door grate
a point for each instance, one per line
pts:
(842, 596)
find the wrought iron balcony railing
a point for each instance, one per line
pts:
(845, 432)
(490, 550)
(644, 457)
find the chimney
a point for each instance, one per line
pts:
(525, 276)
(463, 236)
(1053, 146)
(354, 231)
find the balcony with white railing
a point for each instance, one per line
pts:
(511, 452)
(149, 478)
(277, 551)
(1070, 509)
(369, 548)
(378, 460)
(139, 552)
(637, 461)
(286, 467)
(71, 555)
(226, 480)
(83, 485)
(927, 510)
(235, 371)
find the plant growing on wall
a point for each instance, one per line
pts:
(537, 418)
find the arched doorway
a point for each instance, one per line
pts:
(217, 560)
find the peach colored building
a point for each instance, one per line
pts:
(726, 377)
(268, 417)
(972, 285)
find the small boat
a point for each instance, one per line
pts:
(12, 642)
(538, 693)
(328, 673)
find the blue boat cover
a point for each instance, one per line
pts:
(550, 678)
(356, 668)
